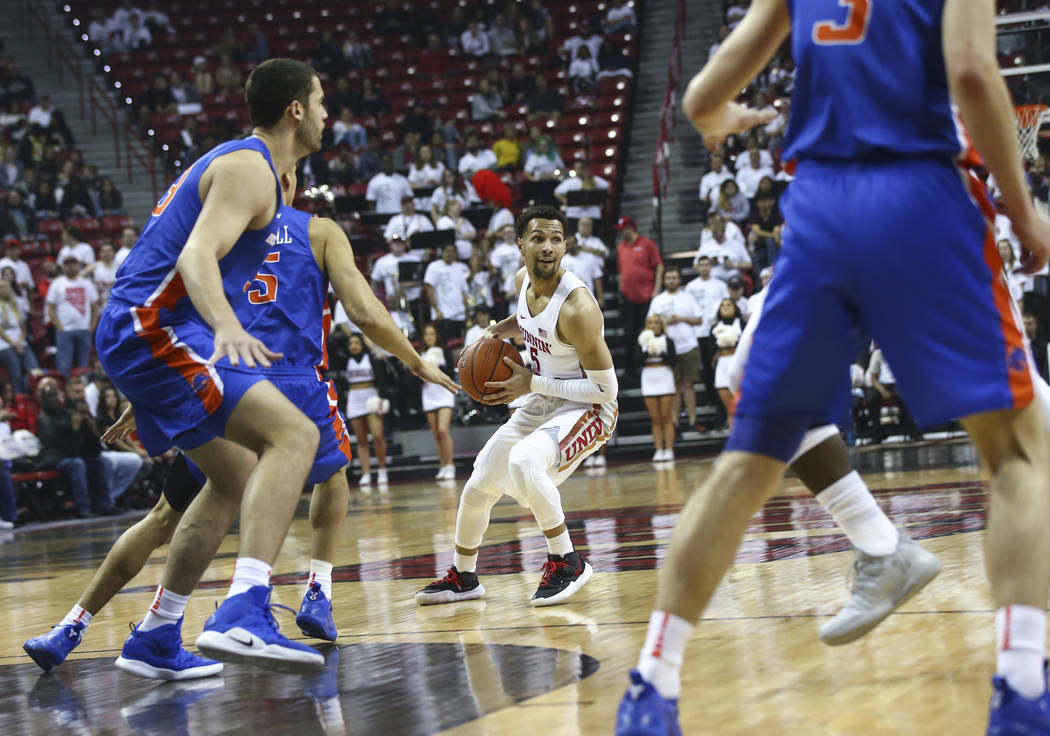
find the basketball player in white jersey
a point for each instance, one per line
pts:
(889, 568)
(569, 413)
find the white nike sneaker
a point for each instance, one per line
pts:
(366, 480)
(382, 479)
(880, 586)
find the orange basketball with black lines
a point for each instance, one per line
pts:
(482, 362)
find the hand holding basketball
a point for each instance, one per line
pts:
(519, 383)
(482, 363)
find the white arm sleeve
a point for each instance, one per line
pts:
(599, 387)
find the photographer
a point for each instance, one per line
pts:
(69, 444)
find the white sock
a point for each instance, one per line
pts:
(465, 563)
(560, 545)
(853, 508)
(321, 573)
(247, 573)
(76, 613)
(167, 609)
(661, 659)
(1020, 638)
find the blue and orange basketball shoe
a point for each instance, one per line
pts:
(51, 649)
(644, 712)
(244, 630)
(315, 615)
(158, 654)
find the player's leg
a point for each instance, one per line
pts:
(726, 397)
(360, 427)
(443, 434)
(656, 420)
(538, 464)
(123, 562)
(375, 427)
(328, 506)
(487, 483)
(667, 417)
(889, 568)
(796, 376)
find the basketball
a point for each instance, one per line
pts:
(482, 362)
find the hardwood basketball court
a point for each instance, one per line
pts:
(499, 666)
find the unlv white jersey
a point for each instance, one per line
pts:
(549, 356)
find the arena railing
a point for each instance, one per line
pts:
(94, 100)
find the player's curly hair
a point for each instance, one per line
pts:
(273, 85)
(539, 212)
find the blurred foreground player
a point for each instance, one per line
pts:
(879, 199)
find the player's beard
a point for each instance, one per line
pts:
(309, 136)
(544, 270)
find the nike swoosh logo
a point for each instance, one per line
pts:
(250, 643)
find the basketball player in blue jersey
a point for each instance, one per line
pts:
(878, 202)
(285, 305)
(167, 310)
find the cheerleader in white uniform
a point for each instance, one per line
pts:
(436, 406)
(729, 323)
(656, 356)
(365, 407)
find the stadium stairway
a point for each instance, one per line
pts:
(680, 219)
(27, 44)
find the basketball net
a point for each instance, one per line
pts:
(1029, 119)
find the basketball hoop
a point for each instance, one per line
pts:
(1029, 119)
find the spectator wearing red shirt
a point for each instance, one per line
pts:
(641, 269)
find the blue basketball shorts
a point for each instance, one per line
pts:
(162, 368)
(901, 251)
(317, 399)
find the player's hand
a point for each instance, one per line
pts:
(236, 344)
(519, 384)
(432, 374)
(1033, 231)
(121, 428)
(729, 119)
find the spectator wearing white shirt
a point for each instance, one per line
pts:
(481, 319)
(425, 173)
(505, 255)
(476, 158)
(72, 305)
(15, 355)
(73, 244)
(128, 237)
(746, 161)
(577, 262)
(102, 272)
(407, 223)
(480, 281)
(452, 187)
(591, 246)
(502, 40)
(711, 182)
(681, 316)
(13, 260)
(400, 295)
(593, 40)
(580, 178)
(731, 203)
(445, 281)
(748, 177)
(583, 71)
(473, 41)
(137, 36)
(724, 243)
(500, 219)
(454, 220)
(387, 188)
(620, 17)
(543, 163)
(708, 292)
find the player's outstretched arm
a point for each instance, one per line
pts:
(336, 256)
(239, 191)
(708, 100)
(968, 38)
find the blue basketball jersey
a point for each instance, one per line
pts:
(148, 276)
(870, 81)
(286, 303)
